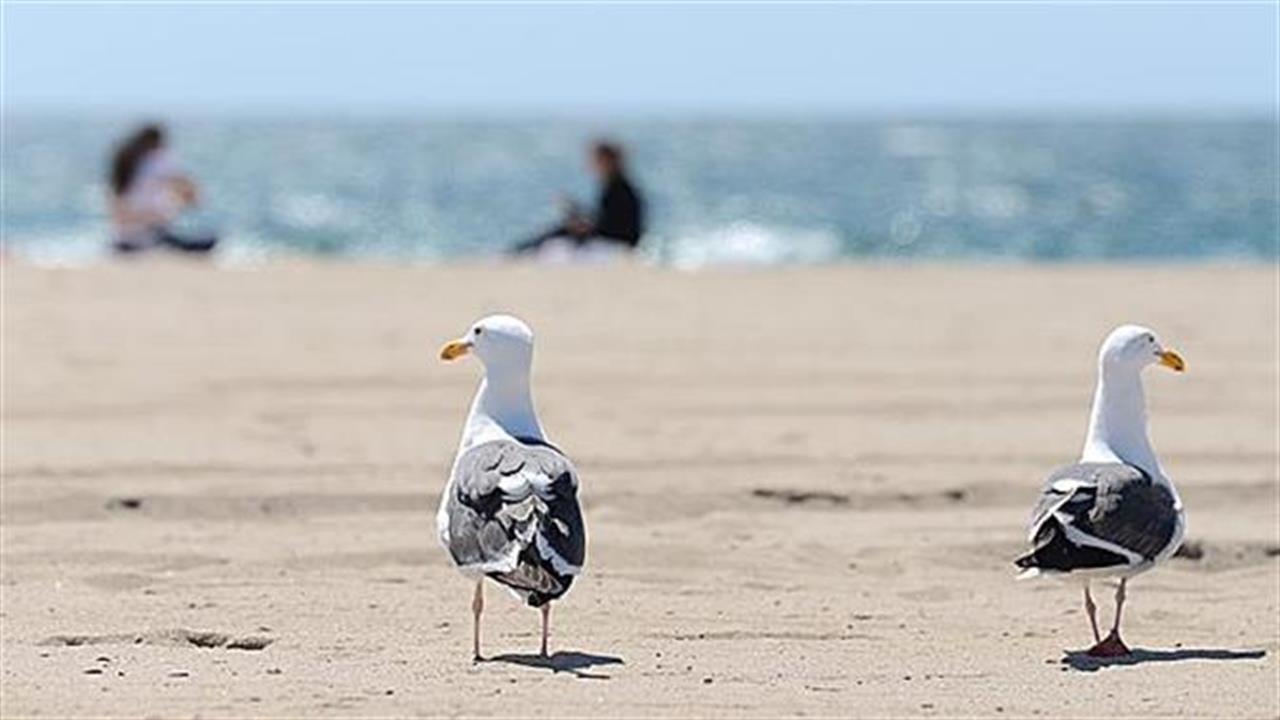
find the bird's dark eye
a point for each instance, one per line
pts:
(476, 331)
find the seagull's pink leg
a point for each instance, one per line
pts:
(477, 607)
(546, 623)
(1092, 609)
(1113, 646)
(1120, 596)
(1115, 627)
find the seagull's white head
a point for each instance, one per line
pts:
(503, 406)
(1134, 347)
(500, 341)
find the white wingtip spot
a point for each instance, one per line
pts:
(1066, 485)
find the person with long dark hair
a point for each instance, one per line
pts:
(149, 191)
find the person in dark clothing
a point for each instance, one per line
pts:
(619, 216)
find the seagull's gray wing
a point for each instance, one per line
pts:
(513, 514)
(1100, 515)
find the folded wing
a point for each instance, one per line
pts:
(1098, 516)
(513, 515)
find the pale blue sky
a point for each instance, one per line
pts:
(1110, 58)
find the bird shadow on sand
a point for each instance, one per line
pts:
(573, 662)
(1081, 660)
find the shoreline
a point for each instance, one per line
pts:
(107, 260)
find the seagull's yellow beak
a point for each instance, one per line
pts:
(1171, 359)
(454, 349)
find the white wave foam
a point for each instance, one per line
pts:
(74, 247)
(747, 243)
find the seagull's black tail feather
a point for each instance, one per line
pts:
(1055, 553)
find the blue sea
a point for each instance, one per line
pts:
(718, 190)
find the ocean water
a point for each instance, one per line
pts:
(719, 191)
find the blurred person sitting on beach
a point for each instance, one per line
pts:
(149, 191)
(617, 223)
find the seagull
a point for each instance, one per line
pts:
(1114, 513)
(510, 508)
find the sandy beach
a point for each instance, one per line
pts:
(803, 489)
